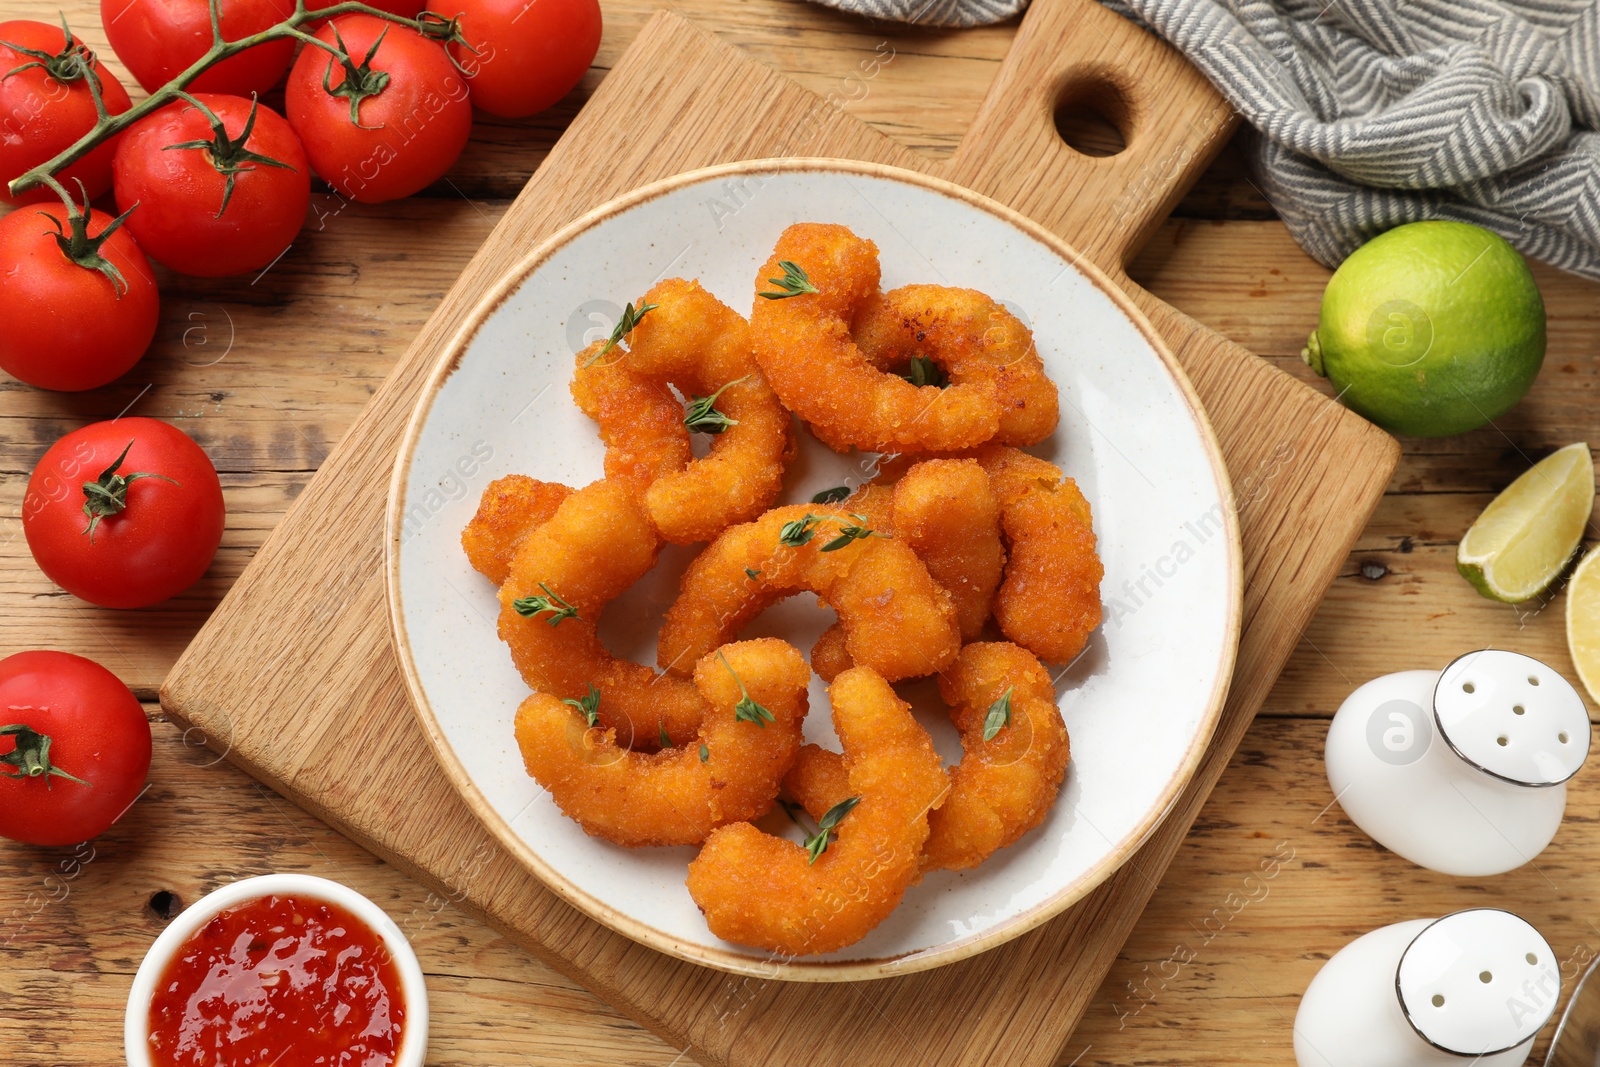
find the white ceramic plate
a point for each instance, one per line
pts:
(1141, 702)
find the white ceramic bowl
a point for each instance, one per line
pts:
(136, 1025)
(1141, 702)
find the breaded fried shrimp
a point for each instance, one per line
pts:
(975, 339)
(1049, 602)
(595, 545)
(763, 891)
(1002, 788)
(804, 346)
(729, 773)
(693, 341)
(895, 619)
(510, 509)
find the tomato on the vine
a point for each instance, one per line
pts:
(77, 298)
(47, 104)
(397, 115)
(159, 39)
(220, 191)
(124, 513)
(530, 53)
(74, 748)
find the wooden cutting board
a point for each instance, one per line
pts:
(295, 679)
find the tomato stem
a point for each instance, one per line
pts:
(360, 80)
(108, 126)
(108, 494)
(75, 242)
(227, 154)
(31, 757)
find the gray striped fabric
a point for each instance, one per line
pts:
(1371, 113)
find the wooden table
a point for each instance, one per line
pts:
(267, 372)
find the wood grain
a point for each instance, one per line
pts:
(313, 339)
(310, 605)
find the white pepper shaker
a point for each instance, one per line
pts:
(1428, 992)
(1461, 771)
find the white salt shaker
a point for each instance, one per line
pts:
(1462, 770)
(1478, 983)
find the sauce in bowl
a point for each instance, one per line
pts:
(279, 981)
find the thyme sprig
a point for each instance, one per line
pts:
(702, 416)
(589, 704)
(817, 844)
(747, 710)
(793, 283)
(529, 606)
(625, 325)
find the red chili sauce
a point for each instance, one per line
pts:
(280, 981)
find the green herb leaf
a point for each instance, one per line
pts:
(666, 742)
(924, 371)
(751, 573)
(832, 496)
(705, 754)
(999, 716)
(799, 531)
(747, 710)
(848, 533)
(630, 319)
(817, 844)
(793, 283)
(589, 704)
(529, 606)
(701, 416)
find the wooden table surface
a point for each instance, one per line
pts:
(267, 372)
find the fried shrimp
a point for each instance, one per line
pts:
(596, 544)
(895, 619)
(802, 341)
(679, 795)
(511, 508)
(945, 510)
(975, 340)
(692, 341)
(1049, 602)
(766, 892)
(1003, 787)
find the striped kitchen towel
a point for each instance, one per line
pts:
(1371, 113)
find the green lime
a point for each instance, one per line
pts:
(1431, 329)
(1520, 544)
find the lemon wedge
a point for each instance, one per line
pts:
(1517, 548)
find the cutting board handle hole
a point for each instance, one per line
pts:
(1092, 115)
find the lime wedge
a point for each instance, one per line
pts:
(1583, 622)
(1518, 546)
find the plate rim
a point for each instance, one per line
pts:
(798, 970)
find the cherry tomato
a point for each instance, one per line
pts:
(124, 513)
(530, 53)
(74, 748)
(46, 108)
(218, 206)
(68, 325)
(412, 127)
(158, 39)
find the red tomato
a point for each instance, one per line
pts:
(154, 518)
(181, 219)
(44, 109)
(411, 129)
(530, 52)
(74, 748)
(158, 39)
(68, 326)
